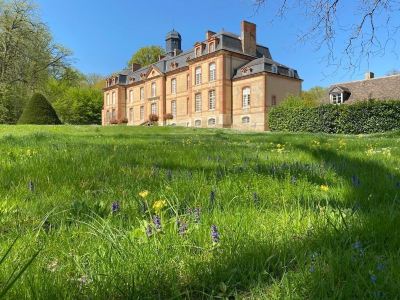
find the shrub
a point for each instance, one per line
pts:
(153, 118)
(123, 121)
(39, 111)
(168, 117)
(113, 121)
(362, 117)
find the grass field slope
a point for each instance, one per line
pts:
(171, 213)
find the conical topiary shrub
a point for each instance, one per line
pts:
(39, 111)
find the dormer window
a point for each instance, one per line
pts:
(211, 47)
(274, 69)
(291, 73)
(338, 95)
(198, 51)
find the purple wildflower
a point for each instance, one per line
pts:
(357, 245)
(115, 207)
(373, 278)
(157, 222)
(214, 234)
(256, 199)
(293, 180)
(380, 266)
(182, 228)
(312, 268)
(212, 198)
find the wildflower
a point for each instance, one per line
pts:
(312, 268)
(294, 180)
(84, 280)
(214, 234)
(182, 228)
(52, 266)
(144, 194)
(115, 207)
(159, 205)
(355, 180)
(357, 245)
(197, 212)
(373, 278)
(324, 188)
(149, 231)
(380, 267)
(31, 186)
(157, 222)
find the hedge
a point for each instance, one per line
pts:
(362, 117)
(39, 111)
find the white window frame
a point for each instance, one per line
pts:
(337, 98)
(108, 98)
(113, 98)
(197, 102)
(211, 100)
(173, 108)
(212, 122)
(212, 71)
(246, 97)
(246, 118)
(198, 52)
(154, 109)
(198, 75)
(141, 112)
(153, 89)
(274, 69)
(173, 86)
(291, 73)
(142, 93)
(211, 47)
(113, 115)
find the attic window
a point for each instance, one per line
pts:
(211, 47)
(174, 65)
(336, 98)
(198, 51)
(274, 69)
(291, 73)
(246, 70)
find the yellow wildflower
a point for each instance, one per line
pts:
(144, 194)
(324, 188)
(159, 205)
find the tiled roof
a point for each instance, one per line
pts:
(382, 88)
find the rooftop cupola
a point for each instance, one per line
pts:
(173, 43)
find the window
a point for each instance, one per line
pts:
(337, 98)
(198, 76)
(108, 99)
(291, 73)
(130, 96)
(212, 72)
(246, 97)
(173, 108)
(142, 93)
(211, 100)
(187, 82)
(245, 120)
(108, 116)
(113, 115)
(273, 100)
(142, 113)
(153, 89)
(131, 115)
(187, 106)
(197, 103)
(154, 110)
(274, 69)
(197, 123)
(211, 122)
(198, 51)
(211, 47)
(113, 98)
(173, 85)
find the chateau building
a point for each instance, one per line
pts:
(225, 81)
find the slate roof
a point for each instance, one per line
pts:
(381, 88)
(227, 41)
(264, 64)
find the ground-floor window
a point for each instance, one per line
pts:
(131, 115)
(142, 113)
(173, 108)
(197, 123)
(246, 120)
(211, 122)
(154, 110)
(113, 115)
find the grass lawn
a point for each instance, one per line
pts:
(297, 216)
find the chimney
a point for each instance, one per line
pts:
(135, 67)
(209, 34)
(249, 38)
(369, 75)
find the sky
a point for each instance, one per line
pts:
(104, 34)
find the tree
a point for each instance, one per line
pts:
(28, 56)
(369, 27)
(39, 111)
(146, 56)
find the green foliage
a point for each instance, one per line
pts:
(299, 216)
(146, 56)
(39, 111)
(362, 117)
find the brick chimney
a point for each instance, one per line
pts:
(249, 38)
(369, 75)
(135, 67)
(209, 34)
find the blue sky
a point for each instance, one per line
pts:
(103, 34)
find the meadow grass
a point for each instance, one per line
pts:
(297, 216)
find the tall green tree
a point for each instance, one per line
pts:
(28, 56)
(146, 56)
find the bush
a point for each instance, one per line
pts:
(153, 118)
(39, 111)
(362, 117)
(168, 116)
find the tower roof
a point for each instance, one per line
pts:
(173, 35)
